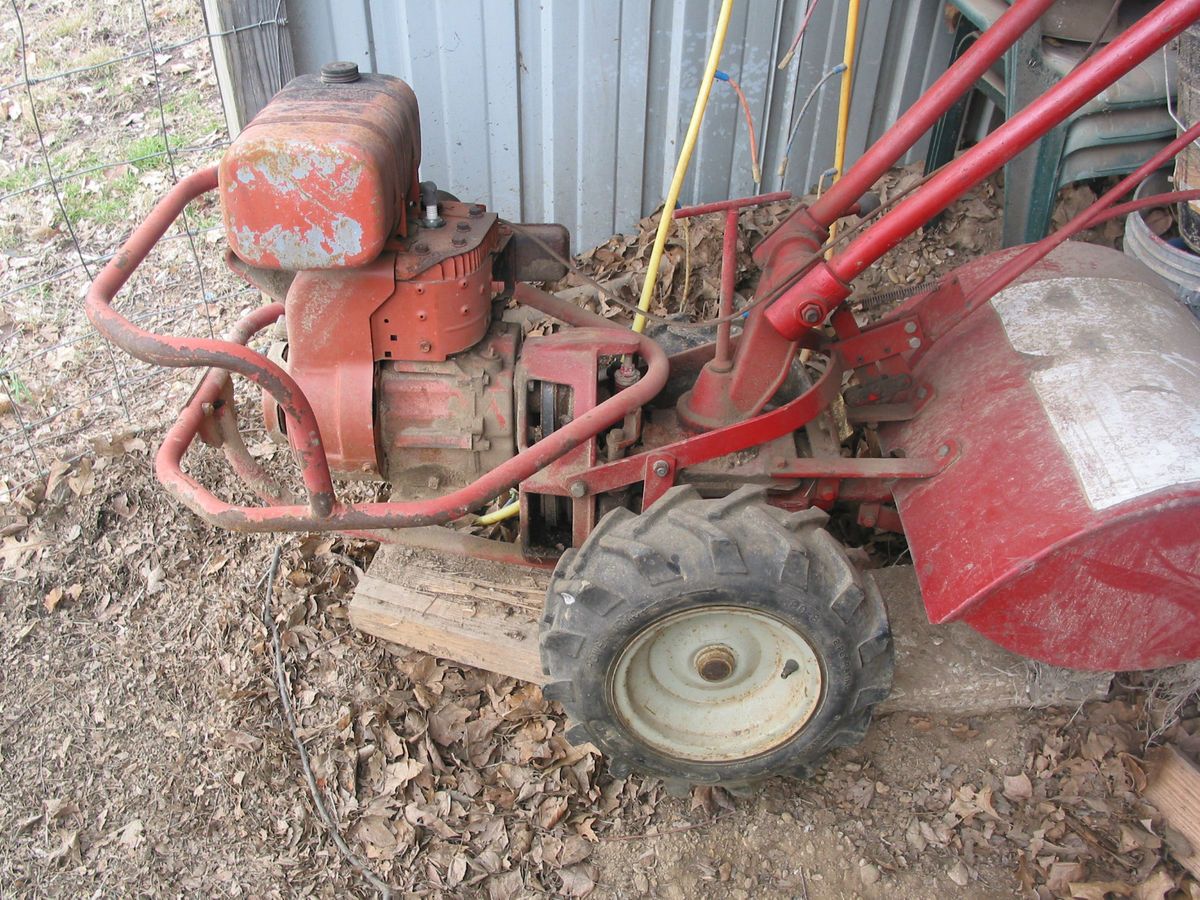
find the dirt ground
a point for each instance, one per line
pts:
(143, 749)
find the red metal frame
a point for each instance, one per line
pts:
(799, 291)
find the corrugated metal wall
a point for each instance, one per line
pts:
(572, 111)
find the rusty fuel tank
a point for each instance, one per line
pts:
(320, 178)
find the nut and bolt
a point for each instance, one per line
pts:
(914, 342)
(811, 314)
(425, 346)
(463, 226)
(475, 210)
(578, 490)
(662, 468)
(910, 327)
(943, 451)
(459, 241)
(420, 247)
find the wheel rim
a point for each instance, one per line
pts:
(716, 684)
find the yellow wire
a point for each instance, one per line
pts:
(499, 515)
(839, 154)
(681, 165)
(664, 224)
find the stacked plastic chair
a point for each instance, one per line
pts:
(1111, 135)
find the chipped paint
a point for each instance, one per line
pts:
(1119, 381)
(314, 247)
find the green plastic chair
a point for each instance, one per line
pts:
(1110, 135)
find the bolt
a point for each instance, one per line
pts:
(811, 314)
(578, 490)
(662, 468)
(922, 393)
(420, 247)
(943, 451)
(463, 226)
(459, 241)
(910, 327)
(476, 210)
(914, 342)
(425, 346)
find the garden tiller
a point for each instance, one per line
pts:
(1037, 413)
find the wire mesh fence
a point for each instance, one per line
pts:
(105, 106)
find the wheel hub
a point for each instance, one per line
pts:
(716, 683)
(715, 663)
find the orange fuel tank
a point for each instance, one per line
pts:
(320, 178)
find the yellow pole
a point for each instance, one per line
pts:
(839, 153)
(681, 165)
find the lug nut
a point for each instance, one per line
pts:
(662, 468)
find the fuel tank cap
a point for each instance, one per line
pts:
(339, 72)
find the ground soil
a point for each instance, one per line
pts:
(143, 749)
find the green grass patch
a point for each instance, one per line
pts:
(148, 152)
(19, 179)
(110, 205)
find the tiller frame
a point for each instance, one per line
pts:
(799, 291)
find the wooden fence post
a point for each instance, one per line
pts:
(252, 52)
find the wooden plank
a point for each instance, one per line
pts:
(1174, 789)
(252, 54)
(487, 615)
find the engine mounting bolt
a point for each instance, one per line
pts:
(420, 247)
(463, 226)
(662, 468)
(811, 314)
(476, 209)
(910, 327)
(425, 346)
(578, 490)
(914, 342)
(459, 241)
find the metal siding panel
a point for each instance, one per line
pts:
(574, 112)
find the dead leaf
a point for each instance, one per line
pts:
(1017, 787)
(1156, 887)
(1098, 890)
(551, 811)
(240, 740)
(52, 599)
(577, 881)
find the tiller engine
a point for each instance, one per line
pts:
(1036, 414)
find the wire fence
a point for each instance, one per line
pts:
(104, 108)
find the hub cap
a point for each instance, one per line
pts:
(716, 684)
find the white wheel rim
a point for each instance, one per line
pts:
(744, 707)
